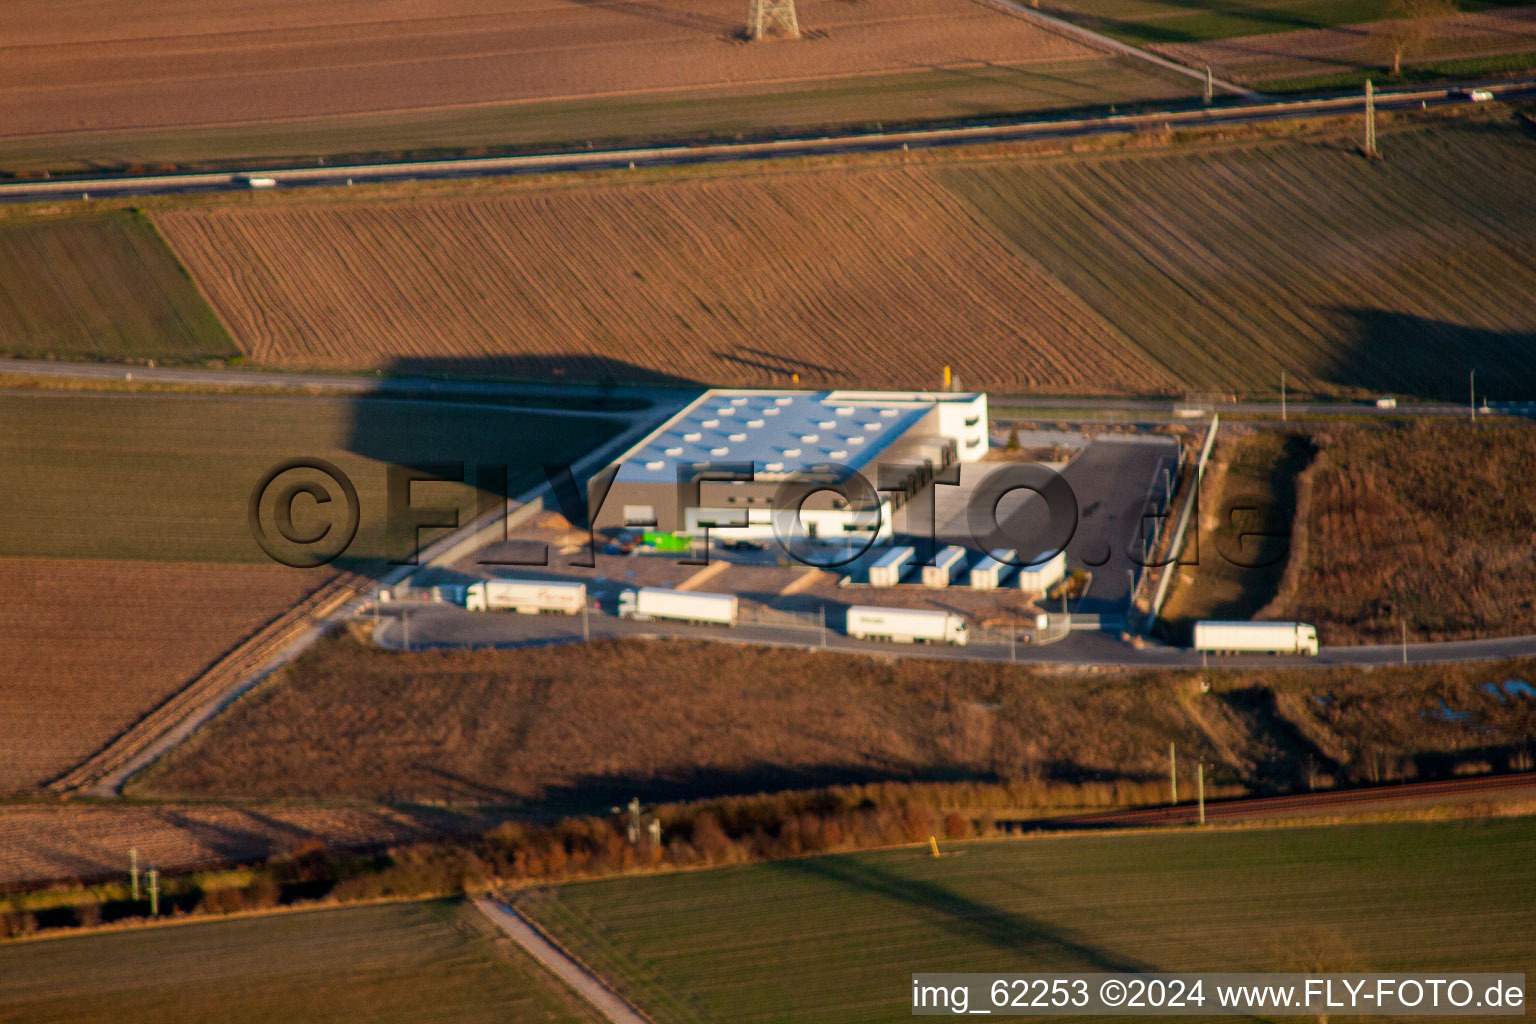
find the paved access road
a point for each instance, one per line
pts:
(436, 626)
(559, 963)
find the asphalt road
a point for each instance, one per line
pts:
(676, 396)
(663, 156)
(438, 626)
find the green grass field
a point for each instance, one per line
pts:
(100, 287)
(1191, 21)
(836, 938)
(1227, 265)
(700, 114)
(416, 962)
(169, 477)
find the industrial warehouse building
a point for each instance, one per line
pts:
(897, 441)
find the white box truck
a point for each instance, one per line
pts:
(1256, 637)
(1039, 578)
(906, 625)
(887, 572)
(526, 597)
(993, 571)
(649, 603)
(946, 566)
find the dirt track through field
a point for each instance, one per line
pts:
(96, 65)
(91, 646)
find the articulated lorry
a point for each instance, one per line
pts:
(649, 603)
(906, 625)
(527, 597)
(1256, 637)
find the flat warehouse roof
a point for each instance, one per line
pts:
(779, 431)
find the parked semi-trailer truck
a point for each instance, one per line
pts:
(906, 626)
(887, 572)
(946, 565)
(527, 597)
(650, 603)
(993, 571)
(1256, 637)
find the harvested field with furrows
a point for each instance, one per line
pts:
(1227, 266)
(580, 728)
(96, 65)
(1259, 59)
(1209, 268)
(89, 842)
(91, 646)
(1433, 524)
(875, 277)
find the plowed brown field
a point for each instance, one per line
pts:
(91, 646)
(92, 65)
(40, 842)
(878, 277)
(1258, 59)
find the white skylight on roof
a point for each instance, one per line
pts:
(674, 451)
(754, 423)
(719, 451)
(784, 400)
(738, 437)
(810, 438)
(711, 424)
(693, 437)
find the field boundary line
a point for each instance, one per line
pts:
(560, 962)
(1102, 42)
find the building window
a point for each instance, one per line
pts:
(639, 515)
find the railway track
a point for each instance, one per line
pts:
(1297, 803)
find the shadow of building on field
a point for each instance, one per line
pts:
(1039, 943)
(453, 438)
(1405, 354)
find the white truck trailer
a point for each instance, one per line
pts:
(526, 597)
(887, 572)
(946, 566)
(1038, 579)
(906, 625)
(993, 571)
(1256, 637)
(649, 603)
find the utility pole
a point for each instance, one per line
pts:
(154, 892)
(1210, 91)
(586, 625)
(634, 821)
(823, 626)
(1173, 771)
(1200, 778)
(1405, 641)
(1013, 644)
(1472, 394)
(767, 18)
(1282, 396)
(405, 626)
(133, 871)
(1370, 119)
